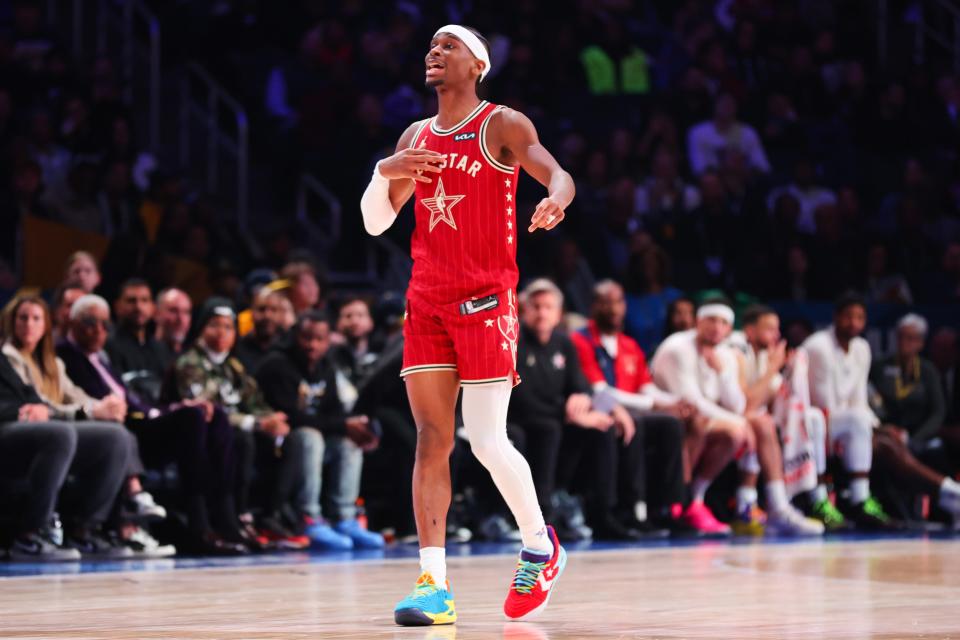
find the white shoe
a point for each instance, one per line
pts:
(141, 507)
(144, 545)
(790, 522)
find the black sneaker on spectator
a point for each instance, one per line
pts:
(40, 546)
(272, 528)
(95, 545)
(644, 528)
(609, 528)
(141, 507)
(495, 528)
(145, 545)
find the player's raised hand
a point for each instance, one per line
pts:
(412, 164)
(547, 215)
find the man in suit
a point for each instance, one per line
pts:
(192, 433)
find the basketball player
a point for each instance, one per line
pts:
(461, 324)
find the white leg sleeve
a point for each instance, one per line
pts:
(851, 431)
(485, 421)
(817, 431)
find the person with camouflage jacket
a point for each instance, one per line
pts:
(263, 436)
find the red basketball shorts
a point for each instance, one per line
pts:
(480, 346)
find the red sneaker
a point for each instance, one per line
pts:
(699, 516)
(533, 581)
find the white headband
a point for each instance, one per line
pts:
(472, 42)
(721, 311)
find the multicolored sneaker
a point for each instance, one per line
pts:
(533, 581)
(428, 604)
(751, 521)
(699, 517)
(829, 515)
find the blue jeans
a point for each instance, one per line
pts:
(309, 458)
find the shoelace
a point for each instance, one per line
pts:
(423, 589)
(526, 576)
(872, 507)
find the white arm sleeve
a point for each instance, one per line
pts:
(731, 393)
(378, 213)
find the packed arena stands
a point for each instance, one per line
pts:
(767, 216)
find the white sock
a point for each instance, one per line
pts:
(859, 490)
(698, 489)
(640, 511)
(820, 493)
(537, 540)
(746, 497)
(485, 421)
(777, 496)
(433, 560)
(949, 495)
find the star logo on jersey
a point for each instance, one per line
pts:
(440, 205)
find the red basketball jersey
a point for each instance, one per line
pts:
(465, 241)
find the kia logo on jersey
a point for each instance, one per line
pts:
(460, 137)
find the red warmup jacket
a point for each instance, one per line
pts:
(627, 372)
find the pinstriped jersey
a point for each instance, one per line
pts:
(464, 244)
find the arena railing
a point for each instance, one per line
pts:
(203, 101)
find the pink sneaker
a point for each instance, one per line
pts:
(702, 519)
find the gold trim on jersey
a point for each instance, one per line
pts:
(445, 132)
(493, 162)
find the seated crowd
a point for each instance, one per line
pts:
(153, 424)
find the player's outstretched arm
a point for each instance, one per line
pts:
(393, 180)
(520, 139)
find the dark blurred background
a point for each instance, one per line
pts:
(784, 151)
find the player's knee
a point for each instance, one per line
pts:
(763, 428)
(434, 442)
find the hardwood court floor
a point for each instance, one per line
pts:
(838, 590)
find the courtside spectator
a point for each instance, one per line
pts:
(173, 317)
(207, 371)
(301, 381)
(615, 367)
(134, 353)
(909, 386)
(46, 451)
(192, 433)
(912, 409)
(357, 353)
(265, 315)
